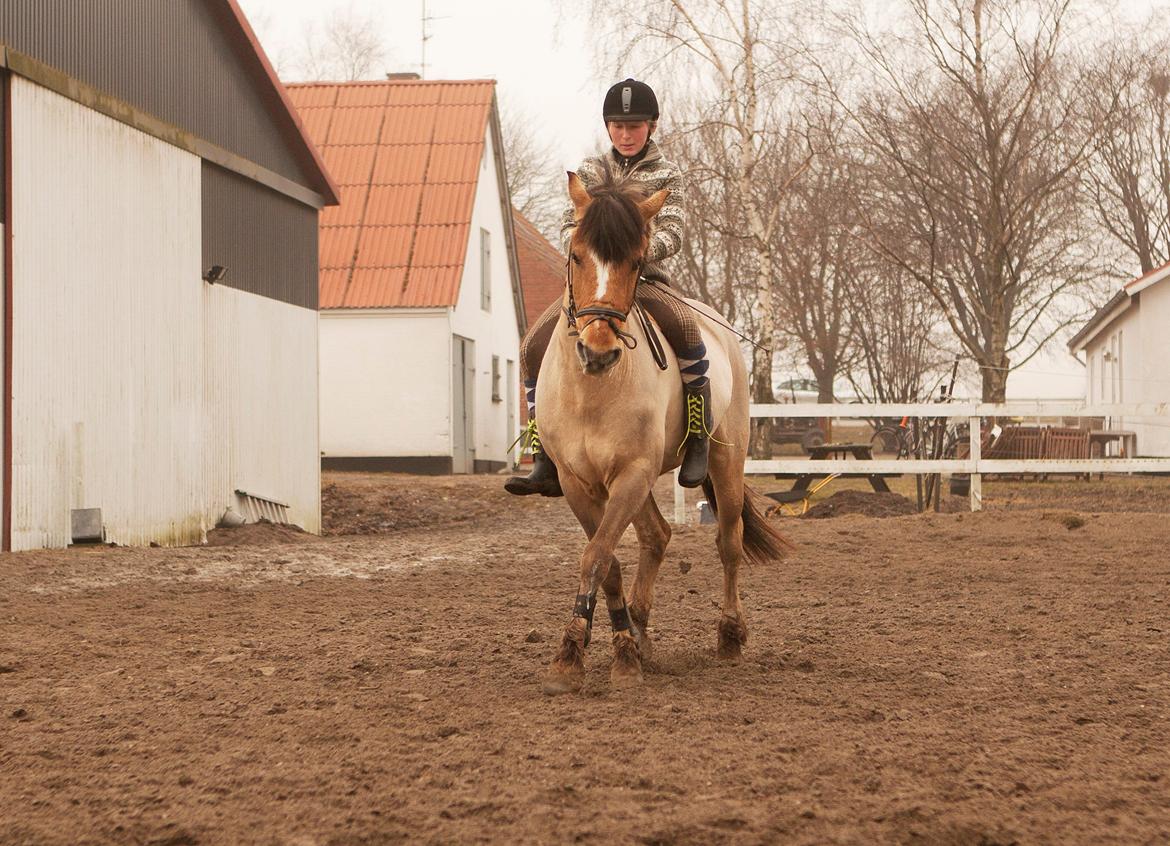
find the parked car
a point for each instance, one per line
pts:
(797, 390)
(807, 390)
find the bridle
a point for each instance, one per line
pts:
(597, 312)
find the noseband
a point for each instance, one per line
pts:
(596, 312)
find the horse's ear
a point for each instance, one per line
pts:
(577, 192)
(653, 204)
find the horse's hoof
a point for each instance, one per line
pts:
(626, 670)
(555, 684)
(732, 637)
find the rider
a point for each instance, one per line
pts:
(630, 112)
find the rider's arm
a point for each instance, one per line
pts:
(669, 222)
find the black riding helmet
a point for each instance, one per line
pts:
(630, 100)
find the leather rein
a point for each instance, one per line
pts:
(609, 315)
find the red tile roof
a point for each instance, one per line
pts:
(542, 268)
(407, 155)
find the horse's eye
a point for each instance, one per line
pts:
(575, 259)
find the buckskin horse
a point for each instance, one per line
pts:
(613, 423)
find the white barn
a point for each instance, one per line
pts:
(1126, 345)
(421, 314)
(144, 395)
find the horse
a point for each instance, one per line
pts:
(614, 422)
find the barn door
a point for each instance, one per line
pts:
(463, 405)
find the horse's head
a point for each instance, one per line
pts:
(605, 259)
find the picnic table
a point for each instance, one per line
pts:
(825, 452)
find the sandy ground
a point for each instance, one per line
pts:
(938, 679)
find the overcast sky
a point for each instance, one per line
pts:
(542, 68)
(539, 51)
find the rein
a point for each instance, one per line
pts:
(609, 315)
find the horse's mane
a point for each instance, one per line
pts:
(612, 225)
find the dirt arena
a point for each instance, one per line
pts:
(938, 679)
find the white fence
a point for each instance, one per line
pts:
(974, 465)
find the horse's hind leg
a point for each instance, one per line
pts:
(727, 480)
(653, 536)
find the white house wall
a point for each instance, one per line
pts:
(261, 400)
(1125, 365)
(1151, 350)
(136, 389)
(385, 383)
(495, 332)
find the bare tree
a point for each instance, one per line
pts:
(345, 47)
(1128, 118)
(535, 181)
(976, 168)
(895, 330)
(817, 249)
(730, 53)
(715, 258)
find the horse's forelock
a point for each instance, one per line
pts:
(612, 226)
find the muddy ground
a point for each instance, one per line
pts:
(939, 679)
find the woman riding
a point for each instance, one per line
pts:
(630, 112)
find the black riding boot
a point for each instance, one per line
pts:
(698, 411)
(543, 478)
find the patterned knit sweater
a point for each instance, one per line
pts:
(654, 173)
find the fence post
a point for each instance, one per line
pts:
(975, 433)
(680, 501)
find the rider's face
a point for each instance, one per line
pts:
(629, 136)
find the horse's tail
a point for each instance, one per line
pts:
(762, 542)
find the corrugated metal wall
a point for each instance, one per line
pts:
(261, 400)
(267, 241)
(138, 388)
(107, 408)
(177, 64)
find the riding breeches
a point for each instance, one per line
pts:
(676, 320)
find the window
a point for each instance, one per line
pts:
(485, 269)
(496, 397)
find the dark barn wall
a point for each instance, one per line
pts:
(179, 60)
(268, 242)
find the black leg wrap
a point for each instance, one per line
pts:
(583, 607)
(619, 618)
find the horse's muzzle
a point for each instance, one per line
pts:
(596, 363)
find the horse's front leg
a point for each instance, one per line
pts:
(604, 522)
